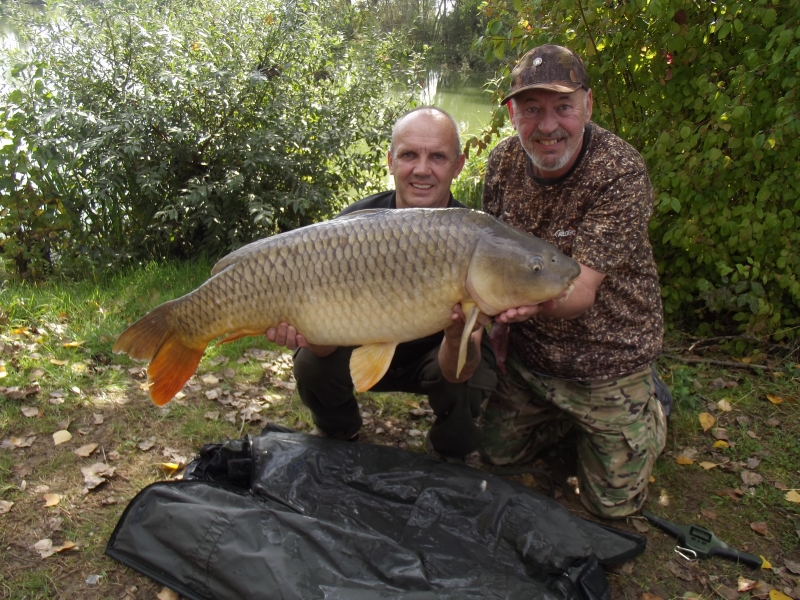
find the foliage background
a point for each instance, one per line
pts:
(708, 92)
(179, 129)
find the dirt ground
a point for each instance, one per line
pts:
(141, 444)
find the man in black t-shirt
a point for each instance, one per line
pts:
(424, 158)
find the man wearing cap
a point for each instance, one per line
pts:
(584, 361)
(424, 158)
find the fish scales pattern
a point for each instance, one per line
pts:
(347, 281)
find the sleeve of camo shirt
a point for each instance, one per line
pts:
(615, 224)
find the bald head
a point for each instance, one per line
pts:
(443, 118)
(424, 158)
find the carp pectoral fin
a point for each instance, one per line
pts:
(174, 364)
(232, 337)
(471, 311)
(369, 363)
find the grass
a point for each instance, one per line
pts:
(66, 331)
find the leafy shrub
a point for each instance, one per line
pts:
(173, 129)
(709, 94)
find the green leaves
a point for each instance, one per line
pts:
(709, 96)
(175, 130)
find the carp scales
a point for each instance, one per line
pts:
(372, 279)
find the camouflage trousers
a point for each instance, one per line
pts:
(621, 425)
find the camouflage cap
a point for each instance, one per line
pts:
(548, 67)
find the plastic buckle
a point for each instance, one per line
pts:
(684, 552)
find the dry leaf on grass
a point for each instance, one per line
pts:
(5, 506)
(29, 411)
(684, 460)
(745, 585)
(73, 344)
(707, 420)
(793, 496)
(46, 548)
(751, 478)
(792, 566)
(647, 596)
(96, 474)
(86, 450)
(97, 419)
(724, 405)
(720, 433)
(58, 363)
(778, 595)
(61, 436)
(18, 442)
(721, 444)
(209, 379)
(147, 444)
(51, 499)
(760, 528)
(774, 399)
(726, 592)
(641, 526)
(167, 594)
(707, 465)
(708, 514)
(680, 571)
(35, 374)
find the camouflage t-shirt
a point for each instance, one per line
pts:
(597, 213)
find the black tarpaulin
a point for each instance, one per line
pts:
(296, 517)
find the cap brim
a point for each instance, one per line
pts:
(553, 86)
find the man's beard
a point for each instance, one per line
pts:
(553, 163)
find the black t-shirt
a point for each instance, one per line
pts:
(407, 351)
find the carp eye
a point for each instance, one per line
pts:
(536, 264)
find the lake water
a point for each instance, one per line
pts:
(464, 98)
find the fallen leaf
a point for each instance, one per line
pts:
(720, 433)
(765, 564)
(719, 382)
(774, 399)
(97, 419)
(753, 462)
(35, 374)
(777, 595)
(772, 422)
(640, 526)
(761, 590)
(689, 452)
(74, 344)
(51, 500)
(779, 485)
(147, 444)
(169, 467)
(79, 367)
(648, 596)
(793, 496)
(792, 566)
(58, 363)
(29, 411)
(680, 571)
(724, 405)
(652, 479)
(46, 548)
(707, 420)
(760, 528)
(727, 592)
(684, 460)
(707, 465)
(212, 415)
(721, 444)
(5, 506)
(751, 478)
(745, 585)
(61, 436)
(93, 579)
(167, 594)
(209, 379)
(96, 474)
(752, 434)
(663, 498)
(85, 450)
(708, 514)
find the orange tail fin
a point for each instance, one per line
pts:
(172, 362)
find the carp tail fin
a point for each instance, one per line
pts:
(172, 362)
(471, 311)
(369, 363)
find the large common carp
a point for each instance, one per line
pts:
(372, 279)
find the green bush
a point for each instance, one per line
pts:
(708, 92)
(134, 131)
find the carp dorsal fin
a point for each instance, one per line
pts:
(369, 363)
(471, 311)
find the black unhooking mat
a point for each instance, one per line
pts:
(296, 517)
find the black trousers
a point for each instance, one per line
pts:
(325, 387)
